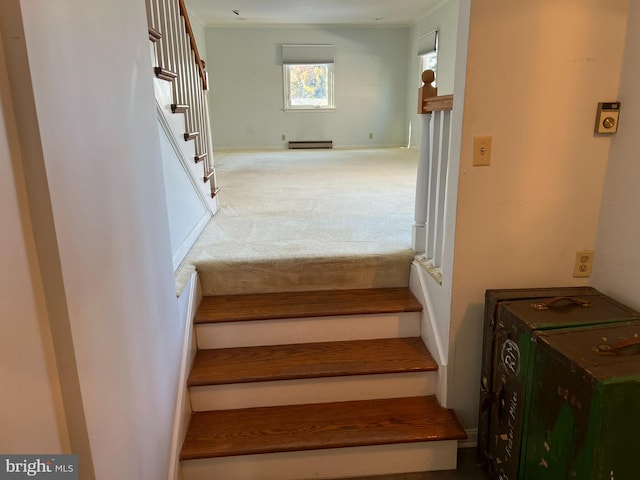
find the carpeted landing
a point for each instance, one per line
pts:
(299, 220)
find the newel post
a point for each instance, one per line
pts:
(419, 231)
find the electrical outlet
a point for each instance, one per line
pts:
(370, 135)
(284, 137)
(583, 264)
(607, 117)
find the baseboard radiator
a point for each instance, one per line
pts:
(311, 144)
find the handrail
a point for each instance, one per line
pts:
(434, 104)
(192, 41)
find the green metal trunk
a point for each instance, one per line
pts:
(512, 317)
(583, 421)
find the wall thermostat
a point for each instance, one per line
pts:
(607, 117)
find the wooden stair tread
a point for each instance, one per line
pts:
(310, 360)
(232, 308)
(318, 426)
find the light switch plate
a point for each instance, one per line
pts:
(481, 151)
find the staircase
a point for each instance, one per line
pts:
(177, 61)
(325, 384)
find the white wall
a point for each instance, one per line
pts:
(617, 256)
(31, 414)
(246, 98)
(98, 146)
(445, 20)
(198, 28)
(535, 73)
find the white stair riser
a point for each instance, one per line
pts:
(307, 330)
(329, 463)
(313, 390)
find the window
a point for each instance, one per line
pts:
(308, 77)
(308, 86)
(429, 61)
(428, 53)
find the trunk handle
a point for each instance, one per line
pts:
(630, 346)
(555, 302)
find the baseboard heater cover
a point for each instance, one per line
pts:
(311, 144)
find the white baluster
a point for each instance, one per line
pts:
(419, 233)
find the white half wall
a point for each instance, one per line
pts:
(437, 295)
(616, 268)
(535, 73)
(246, 98)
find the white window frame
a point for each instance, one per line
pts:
(286, 74)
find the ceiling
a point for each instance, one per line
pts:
(311, 12)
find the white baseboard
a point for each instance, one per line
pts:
(430, 332)
(472, 439)
(188, 304)
(283, 147)
(367, 146)
(441, 387)
(183, 249)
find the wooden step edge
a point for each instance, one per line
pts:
(270, 306)
(311, 360)
(197, 382)
(262, 430)
(179, 108)
(164, 74)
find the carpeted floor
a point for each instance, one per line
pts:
(308, 219)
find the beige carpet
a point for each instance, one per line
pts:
(308, 219)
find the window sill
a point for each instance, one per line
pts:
(307, 110)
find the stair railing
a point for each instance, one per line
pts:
(178, 61)
(433, 167)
